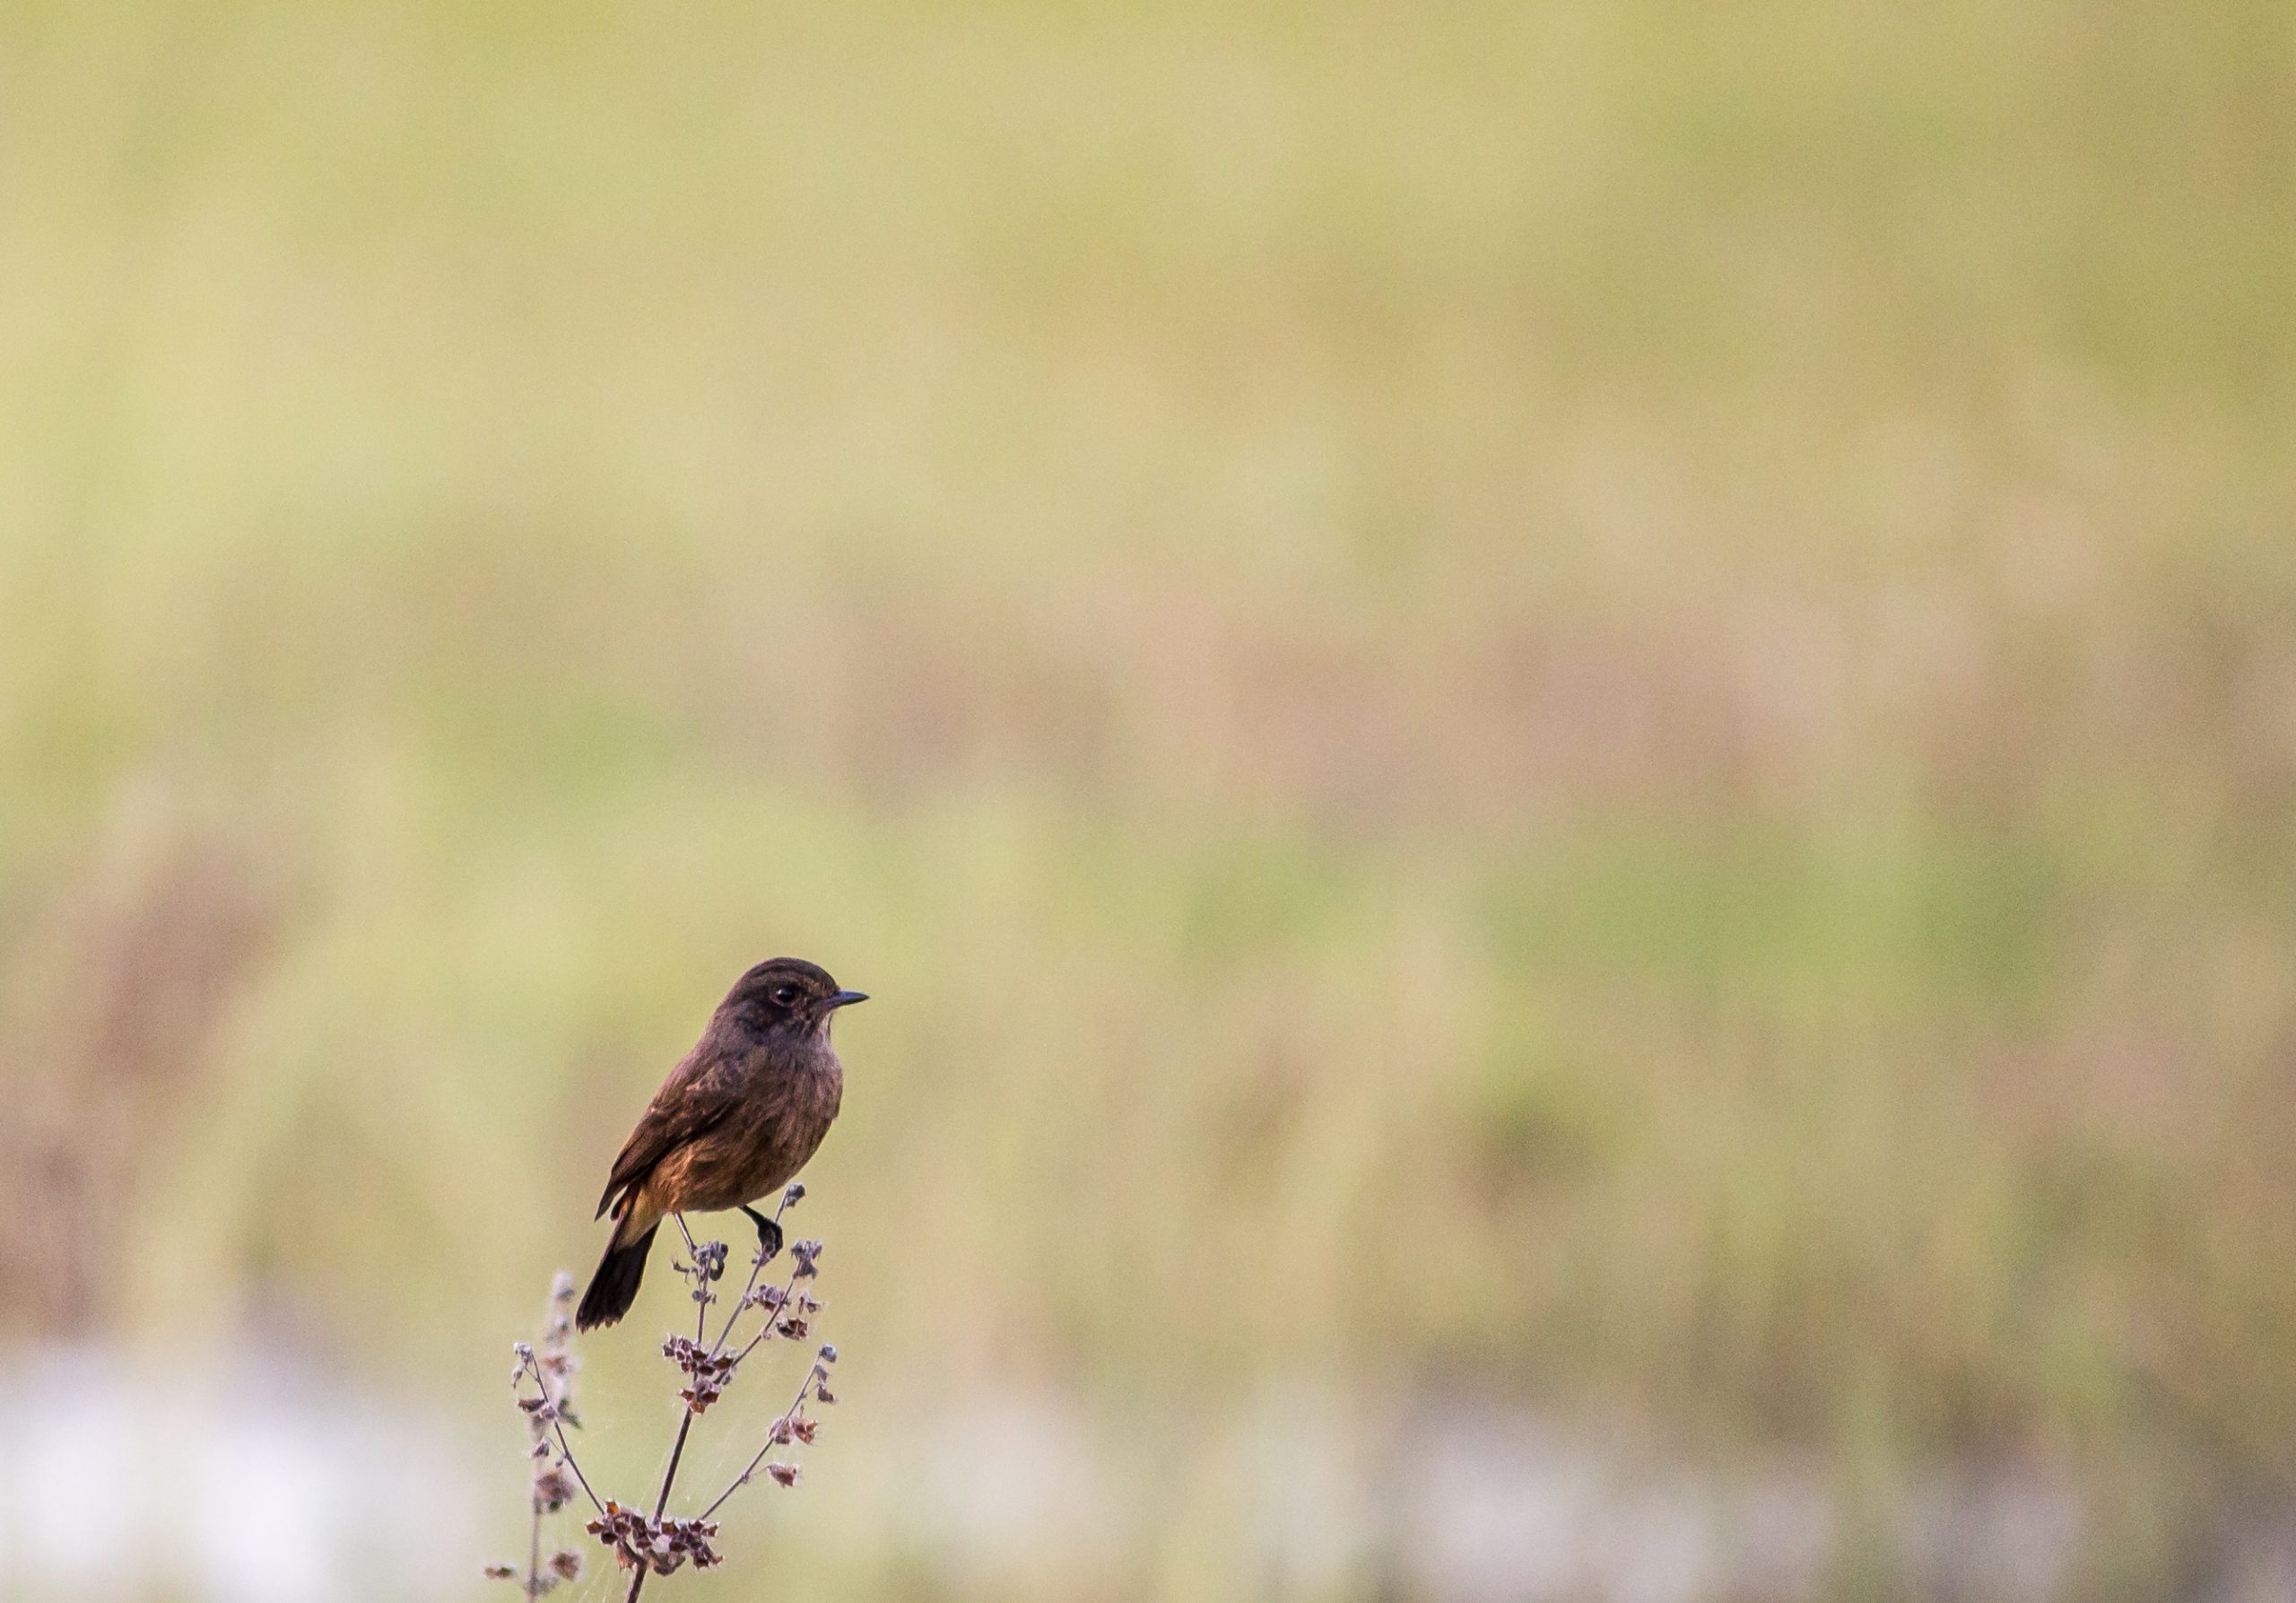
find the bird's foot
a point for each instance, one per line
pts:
(769, 1234)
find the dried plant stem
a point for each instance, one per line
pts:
(677, 1451)
(551, 1366)
(657, 1543)
(757, 1267)
(701, 1329)
(685, 1419)
(702, 1295)
(565, 1450)
(772, 1439)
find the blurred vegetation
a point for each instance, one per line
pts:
(1592, 701)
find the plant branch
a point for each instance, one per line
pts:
(658, 1543)
(814, 1377)
(558, 1429)
(757, 1267)
(701, 1280)
(700, 1286)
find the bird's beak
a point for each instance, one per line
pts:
(846, 998)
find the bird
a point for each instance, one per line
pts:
(733, 1122)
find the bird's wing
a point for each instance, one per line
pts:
(697, 1096)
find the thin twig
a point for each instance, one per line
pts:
(702, 1298)
(814, 1377)
(773, 1319)
(701, 1301)
(558, 1429)
(677, 1452)
(757, 1266)
(645, 1542)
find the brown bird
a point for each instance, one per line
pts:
(736, 1118)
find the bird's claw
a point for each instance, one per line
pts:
(769, 1234)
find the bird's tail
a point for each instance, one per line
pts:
(614, 1287)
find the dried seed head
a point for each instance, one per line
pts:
(661, 1544)
(553, 1490)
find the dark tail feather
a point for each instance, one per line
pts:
(614, 1287)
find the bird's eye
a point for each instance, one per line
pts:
(786, 995)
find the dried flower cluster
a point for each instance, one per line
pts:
(707, 1371)
(659, 1542)
(663, 1544)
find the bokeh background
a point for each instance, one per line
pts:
(1560, 736)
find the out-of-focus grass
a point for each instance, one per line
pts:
(1630, 666)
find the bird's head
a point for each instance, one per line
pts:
(786, 996)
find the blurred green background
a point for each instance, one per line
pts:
(1575, 717)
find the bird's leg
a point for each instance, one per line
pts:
(769, 1233)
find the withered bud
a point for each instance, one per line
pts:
(553, 1490)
